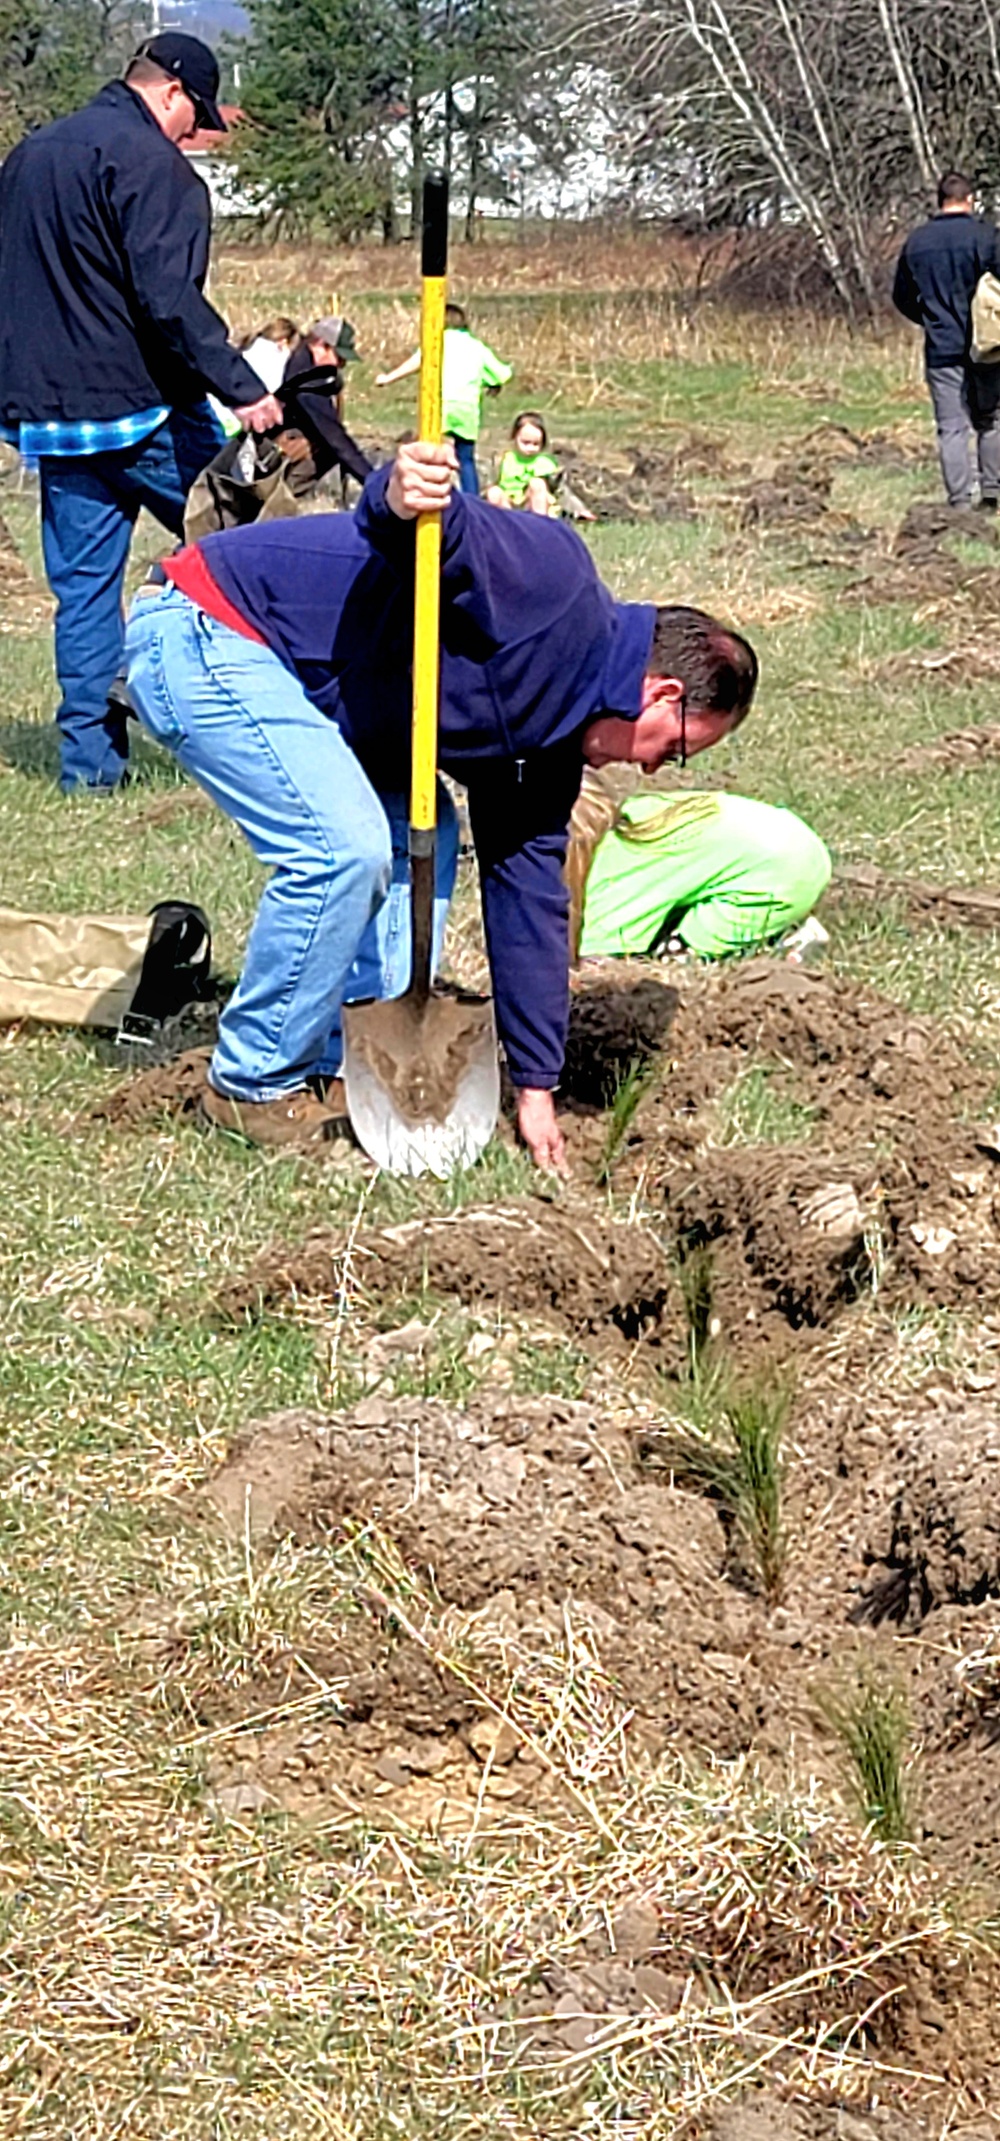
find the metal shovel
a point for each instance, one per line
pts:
(421, 1072)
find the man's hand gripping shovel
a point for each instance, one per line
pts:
(421, 1071)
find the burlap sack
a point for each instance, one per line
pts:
(103, 969)
(249, 480)
(70, 969)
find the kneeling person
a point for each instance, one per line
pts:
(721, 873)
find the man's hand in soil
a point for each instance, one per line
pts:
(260, 415)
(421, 479)
(536, 1120)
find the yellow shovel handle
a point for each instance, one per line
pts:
(427, 594)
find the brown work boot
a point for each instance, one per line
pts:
(297, 1120)
(332, 1094)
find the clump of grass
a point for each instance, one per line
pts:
(872, 1725)
(734, 1452)
(642, 1074)
(757, 1109)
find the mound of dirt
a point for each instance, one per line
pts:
(168, 1089)
(968, 906)
(591, 1275)
(956, 750)
(894, 1191)
(797, 1230)
(518, 1510)
(937, 1540)
(926, 528)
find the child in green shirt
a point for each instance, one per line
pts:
(470, 369)
(527, 474)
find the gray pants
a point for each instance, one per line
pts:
(966, 399)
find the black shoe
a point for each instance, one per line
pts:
(118, 698)
(986, 505)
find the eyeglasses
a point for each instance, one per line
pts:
(680, 756)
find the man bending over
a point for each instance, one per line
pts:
(275, 662)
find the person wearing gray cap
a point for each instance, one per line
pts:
(321, 357)
(108, 353)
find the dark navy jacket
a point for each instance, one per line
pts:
(532, 648)
(104, 240)
(936, 274)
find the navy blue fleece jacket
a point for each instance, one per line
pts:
(533, 647)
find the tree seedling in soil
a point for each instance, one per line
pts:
(872, 1725)
(697, 1283)
(642, 1074)
(736, 1457)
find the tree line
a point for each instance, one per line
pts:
(832, 116)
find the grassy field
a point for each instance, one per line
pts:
(176, 1963)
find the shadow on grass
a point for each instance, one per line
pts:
(29, 748)
(32, 748)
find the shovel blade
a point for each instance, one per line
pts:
(422, 1080)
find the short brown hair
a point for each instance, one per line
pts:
(717, 667)
(954, 186)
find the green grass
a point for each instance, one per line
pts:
(757, 1109)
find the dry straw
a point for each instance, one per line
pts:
(167, 1972)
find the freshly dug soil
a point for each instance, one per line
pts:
(926, 529)
(897, 1190)
(535, 1523)
(165, 1090)
(580, 1272)
(937, 1538)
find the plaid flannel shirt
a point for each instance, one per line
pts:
(64, 439)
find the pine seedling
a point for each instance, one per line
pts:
(872, 1725)
(643, 1073)
(756, 1419)
(734, 1454)
(697, 1283)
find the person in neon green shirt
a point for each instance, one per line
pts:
(471, 369)
(527, 473)
(713, 873)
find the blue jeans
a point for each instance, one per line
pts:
(334, 922)
(90, 505)
(468, 474)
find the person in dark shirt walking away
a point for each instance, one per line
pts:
(936, 276)
(108, 349)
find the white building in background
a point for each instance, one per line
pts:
(530, 176)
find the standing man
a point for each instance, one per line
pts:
(936, 276)
(108, 348)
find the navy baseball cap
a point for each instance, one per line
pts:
(195, 67)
